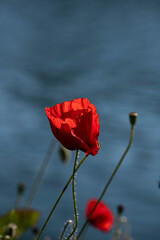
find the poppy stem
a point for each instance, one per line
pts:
(69, 222)
(60, 196)
(109, 181)
(40, 173)
(74, 197)
(20, 192)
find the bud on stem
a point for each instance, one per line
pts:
(133, 117)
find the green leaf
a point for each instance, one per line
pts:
(23, 218)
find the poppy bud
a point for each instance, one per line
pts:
(21, 187)
(120, 209)
(65, 154)
(35, 230)
(133, 117)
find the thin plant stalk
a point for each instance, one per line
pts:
(109, 181)
(60, 196)
(18, 201)
(69, 222)
(20, 192)
(40, 173)
(117, 231)
(74, 197)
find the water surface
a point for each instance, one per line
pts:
(107, 51)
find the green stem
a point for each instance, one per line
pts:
(40, 173)
(55, 205)
(18, 201)
(65, 227)
(109, 181)
(74, 197)
(117, 228)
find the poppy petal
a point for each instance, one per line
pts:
(102, 218)
(75, 124)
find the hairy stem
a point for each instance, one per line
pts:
(69, 222)
(109, 181)
(74, 197)
(60, 196)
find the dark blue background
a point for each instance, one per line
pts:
(107, 51)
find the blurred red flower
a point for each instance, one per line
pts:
(76, 125)
(102, 218)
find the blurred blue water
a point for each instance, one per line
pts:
(107, 51)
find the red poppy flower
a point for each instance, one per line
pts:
(76, 125)
(102, 218)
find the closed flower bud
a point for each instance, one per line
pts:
(120, 209)
(35, 230)
(133, 117)
(65, 154)
(21, 188)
